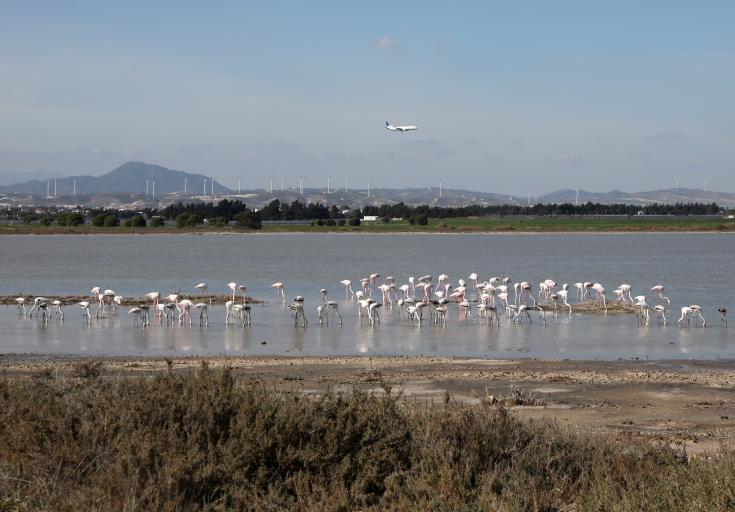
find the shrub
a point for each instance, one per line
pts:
(217, 222)
(207, 441)
(111, 221)
(70, 219)
(99, 220)
(135, 222)
(248, 220)
(341, 222)
(330, 222)
(184, 220)
(46, 220)
(354, 221)
(156, 222)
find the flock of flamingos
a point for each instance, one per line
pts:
(478, 302)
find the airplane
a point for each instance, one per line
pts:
(390, 127)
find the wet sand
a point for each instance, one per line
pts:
(685, 403)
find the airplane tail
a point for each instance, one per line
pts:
(387, 124)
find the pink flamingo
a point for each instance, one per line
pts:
(279, 290)
(233, 289)
(348, 288)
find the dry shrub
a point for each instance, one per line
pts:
(204, 440)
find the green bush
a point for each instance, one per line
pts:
(248, 220)
(341, 222)
(218, 222)
(70, 219)
(135, 222)
(330, 222)
(354, 221)
(156, 222)
(188, 220)
(99, 220)
(111, 221)
(46, 220)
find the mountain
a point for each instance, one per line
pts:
(669, 196)
(126, 179)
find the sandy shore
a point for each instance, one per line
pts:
(687, 403)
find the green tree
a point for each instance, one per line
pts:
(70, 219)
(99, 220)
(136, 222)
(111, 221)
(156, 222)
(248, 220)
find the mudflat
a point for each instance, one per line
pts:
(686, 403)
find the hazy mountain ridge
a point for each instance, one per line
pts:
(125, 186)
(128, 178)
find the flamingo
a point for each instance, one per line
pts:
(686, 313)
(85, 310)
(660, 312)
(233, 288)
(564, 295)
(228, 310)
(580, 291)
(697, 312)
(57, 308)
(153, 297)
(185, 311)
(723, 316)
(203, 308)
(333, 308)
(202, 287)
(373, 313)
(348, 288)
(37, 305)
(642, 305)
(136, 313)
(600, 295)
(21, 302)
(298, 311)
(626, 289)
(279, 290)
(658, 290)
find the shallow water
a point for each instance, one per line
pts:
(695, 268)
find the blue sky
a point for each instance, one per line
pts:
(539, 95)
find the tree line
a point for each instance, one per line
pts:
(226, 211)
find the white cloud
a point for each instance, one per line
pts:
(386, 43)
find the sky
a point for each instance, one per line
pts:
(509, 97)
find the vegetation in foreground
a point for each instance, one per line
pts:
(207, 440)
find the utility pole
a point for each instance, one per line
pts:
(238, 185)
(185, 184)
(146, 187)
(281, 183)
(301, 185)
(55, 194)
(271, 186)
(154, 189)
(329, 178)
(347, 183)
(205, 187)
(75, 188)
(368, 188)
(212, 187)
(440, 189)
(48, 188)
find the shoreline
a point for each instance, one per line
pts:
(384, 233)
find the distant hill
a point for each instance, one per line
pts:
(127, 179)
(670, 196)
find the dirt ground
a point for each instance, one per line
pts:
(686, 403)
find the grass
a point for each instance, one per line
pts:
(460, 225)
(206, 440)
